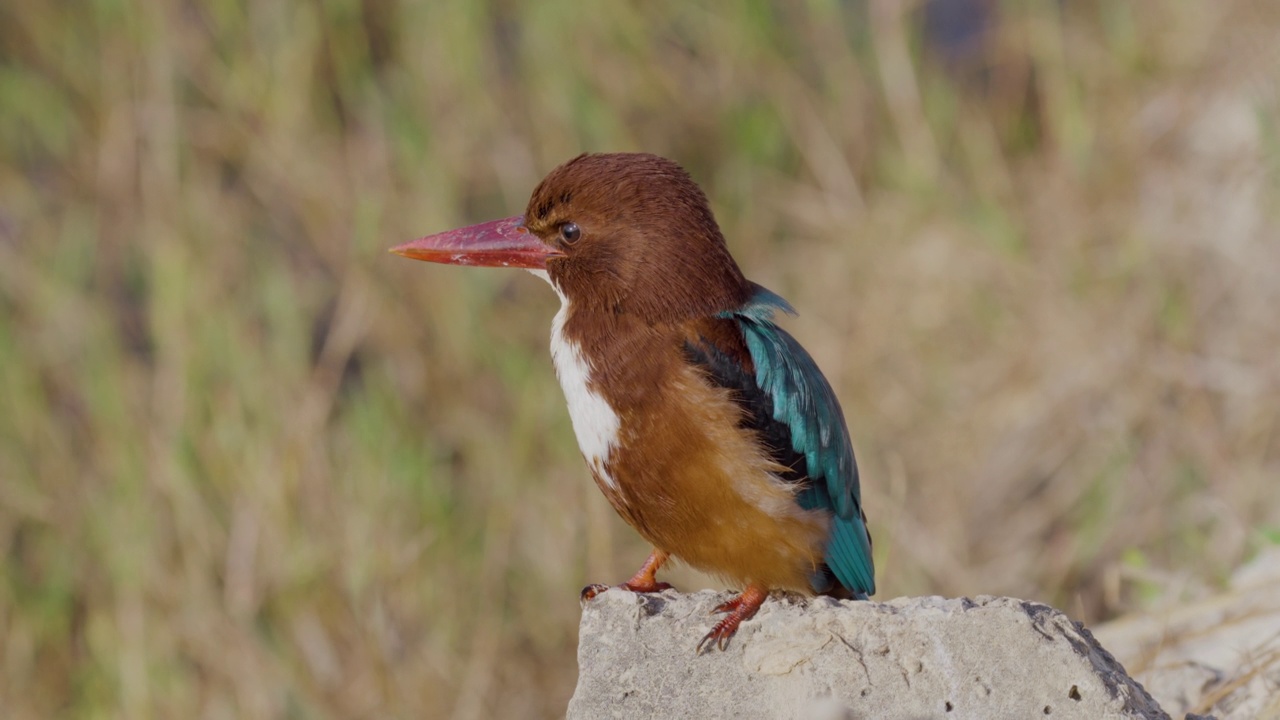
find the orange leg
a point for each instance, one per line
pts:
(644, 581)
(740, 608)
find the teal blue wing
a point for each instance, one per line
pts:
(804, 420)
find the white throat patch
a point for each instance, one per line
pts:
(594, 420)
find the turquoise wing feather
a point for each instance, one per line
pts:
(803, 401)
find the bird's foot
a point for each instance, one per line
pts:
(644, 581)
(652, 587)
(740, 608)
(591, 591)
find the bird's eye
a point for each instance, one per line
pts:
(570, 232)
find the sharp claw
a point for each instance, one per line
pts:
(743, 607)
(727, 606)
(719, 637)
(703, 643)
(591, 591)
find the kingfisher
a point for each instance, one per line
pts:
(708, 427)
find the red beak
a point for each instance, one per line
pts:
(497, 243)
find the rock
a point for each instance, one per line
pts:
(1219, 655)
(908, 658)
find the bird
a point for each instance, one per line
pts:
(708, 427)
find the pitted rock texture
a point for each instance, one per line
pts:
(908, 659)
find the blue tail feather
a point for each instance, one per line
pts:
(804, 402)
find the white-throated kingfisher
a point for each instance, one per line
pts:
(710, 429)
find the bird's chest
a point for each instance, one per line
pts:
(595, 422)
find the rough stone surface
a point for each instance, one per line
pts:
(1218, 655)
(909, 658)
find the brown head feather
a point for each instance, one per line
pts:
(648, 243)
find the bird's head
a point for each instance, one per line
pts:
(614, 233)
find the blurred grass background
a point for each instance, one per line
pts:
(251, 466)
